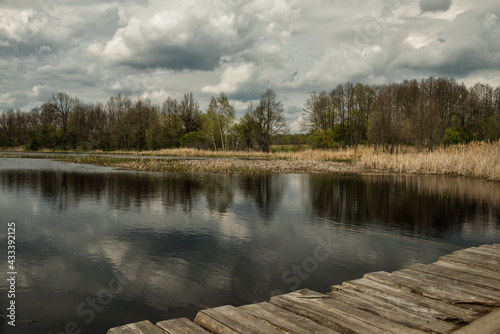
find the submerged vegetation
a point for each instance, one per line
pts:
(476, 159)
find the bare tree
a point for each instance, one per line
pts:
(63, 105)
(170, 122)
(270, 119)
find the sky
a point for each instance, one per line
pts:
(157, 49)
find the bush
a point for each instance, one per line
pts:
(452, 137)
(489, 129)
(323, 139)
(193, 139)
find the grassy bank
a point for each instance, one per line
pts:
(222, 165)
(478, 160)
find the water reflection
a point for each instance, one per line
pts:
(422, 205)
(189, 241)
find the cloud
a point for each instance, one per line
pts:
(155, 48)
(184, 38)
(434, 5)
(467, 44)
(233, 79)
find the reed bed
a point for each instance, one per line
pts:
(225, 166)
(343, 155)
(477, 159)
(12, 149)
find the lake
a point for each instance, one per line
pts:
(98, 247)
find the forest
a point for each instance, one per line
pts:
(425, 113)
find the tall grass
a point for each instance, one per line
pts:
(343, 155)
(477, 159)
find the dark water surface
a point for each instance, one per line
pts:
(98, 248)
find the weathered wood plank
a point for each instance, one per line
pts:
(391, 312)
(142, 327)
(494, 246)
(284, 320)
(490, 246)
(328, 318)
(337, 315)
(181, 326)
(464, 268)
(477, 256)
(461, 276)
(489, 324)
(229, 320)
(473, 261)
(488, 252)
(412, 302)
(433, 292)
(452, 284)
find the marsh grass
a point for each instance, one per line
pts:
(12, 149)
(225, 166)
(477, 159)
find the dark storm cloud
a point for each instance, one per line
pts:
(193, 56)
(434, 5)
(466, 45)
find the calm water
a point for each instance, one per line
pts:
(98, 248)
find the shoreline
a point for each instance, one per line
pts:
(479, 160)
(243, 165)
(218, 165)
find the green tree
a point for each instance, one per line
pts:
(218, 122)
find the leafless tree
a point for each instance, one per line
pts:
(270, 119)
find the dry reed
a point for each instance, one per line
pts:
(477, 159)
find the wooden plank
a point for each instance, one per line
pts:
(490, 246)
(489, 324)
(328, 318)
(331, 313)
(412, 302)
(181, 326)
(285, 320)
(492, 253)
(464, 268)
(453, 285)
(433, 292)
(485, 254)
(391, 312)
(229, 320)
(461, 276)
(495, 262)
(472, 261)
(494, 246)
(142, 327)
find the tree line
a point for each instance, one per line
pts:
(65, 122)
(423, 113)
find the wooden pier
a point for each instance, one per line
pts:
(460, 293)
